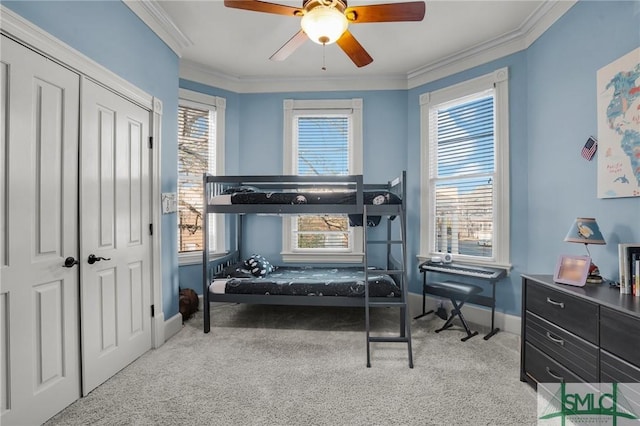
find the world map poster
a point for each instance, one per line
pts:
(619, 127)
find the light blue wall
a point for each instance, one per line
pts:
(552, 96)
(552, 112)
(508, 290)
(259, 150)
(112, 35)
(384, 130)
(261, 146)
(562, 114)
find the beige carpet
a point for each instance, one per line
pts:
(273, 365)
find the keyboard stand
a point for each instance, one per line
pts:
(476, 299)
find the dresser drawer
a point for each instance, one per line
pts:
(541, 368)
(575, 353)
(579, 316)
(615, 370)
(620, 334)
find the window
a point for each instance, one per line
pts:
(322, 137)
(200, 150)
(465, 171)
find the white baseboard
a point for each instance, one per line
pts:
(473, 313)
(172, 326)
(158, 328)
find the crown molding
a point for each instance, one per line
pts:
(514, 41)
(27, 33)
(544, 17)
(194, 71)
(155, 17)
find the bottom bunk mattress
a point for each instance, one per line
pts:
(310, 281)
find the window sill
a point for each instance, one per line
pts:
(290, 257)
(195, 257)
(469, 261)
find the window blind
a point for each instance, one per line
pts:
(196, 150)
(322, 149)
(462, 152)
(323, 146)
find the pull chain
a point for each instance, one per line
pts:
(324, 48)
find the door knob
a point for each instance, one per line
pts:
(69, 262)
(93, 259)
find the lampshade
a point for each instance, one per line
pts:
(585, 230)
(324, 25)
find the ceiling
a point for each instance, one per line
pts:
(233, 46)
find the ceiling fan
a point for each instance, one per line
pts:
(327, 21)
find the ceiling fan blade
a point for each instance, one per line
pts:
(391, 12)
(263, 6)
(354, 50)
(289, 47)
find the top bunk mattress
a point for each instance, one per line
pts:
(329, 197)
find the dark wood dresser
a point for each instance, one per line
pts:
(578, 334)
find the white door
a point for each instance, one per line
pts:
(39, 346)
(115, 218)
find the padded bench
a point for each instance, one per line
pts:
(458, 293)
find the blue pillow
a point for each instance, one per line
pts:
(258, 265)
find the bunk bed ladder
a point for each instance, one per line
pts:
(405, 319)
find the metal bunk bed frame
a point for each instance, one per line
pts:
(214, 185)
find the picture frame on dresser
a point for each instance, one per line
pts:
(572, 270)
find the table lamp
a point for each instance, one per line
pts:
(585, 230)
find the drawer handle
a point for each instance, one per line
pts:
(555, 339)
(553, 302)
(555, 376)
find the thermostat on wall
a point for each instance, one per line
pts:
(169, 202)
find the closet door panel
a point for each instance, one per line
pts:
(105, 174)
(135, 179)
(5, 382)
(115, 211)
(4, 297)
(47, 165)
(49, 332)
(39, 196)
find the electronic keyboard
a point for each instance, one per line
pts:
(481, 272)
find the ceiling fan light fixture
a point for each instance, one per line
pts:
(324, 25)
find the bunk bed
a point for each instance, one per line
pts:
(239, 278)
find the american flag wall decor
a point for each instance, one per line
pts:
(590, 148)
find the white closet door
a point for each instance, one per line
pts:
(115, 218)
(40, 371)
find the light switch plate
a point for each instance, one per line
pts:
(169, 202)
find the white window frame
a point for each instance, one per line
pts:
(499, 81)
(201, 100)
(293, 108)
